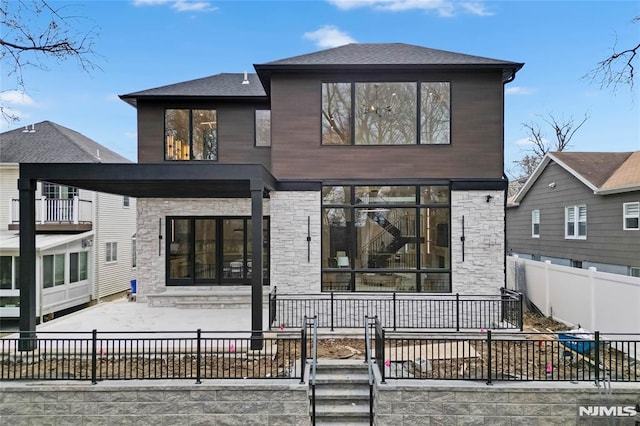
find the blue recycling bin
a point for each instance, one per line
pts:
(133, 286)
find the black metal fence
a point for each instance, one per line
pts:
(194, 355)
(506, 356)
(399, 310)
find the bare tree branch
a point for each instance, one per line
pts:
(33, 31)
(564, 130)
(617, 69)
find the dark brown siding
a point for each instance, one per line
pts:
(606, 241)
(476, 148)
(235, 132)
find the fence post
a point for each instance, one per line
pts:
(394, 311)
(521, 310)
(198, 353)
(332, 311)
(597, 357)
(272, 297)
(303, 350)
(383, 366)
(457, 311)
(489, 357)
(503, 304)
(94, 356)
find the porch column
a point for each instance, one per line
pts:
(27, 279)
(257, 188)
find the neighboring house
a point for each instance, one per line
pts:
(84, 238)
(580, 209)
(370, 167)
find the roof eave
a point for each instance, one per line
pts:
(618, 190)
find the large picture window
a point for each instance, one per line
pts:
(191, 134)
(386, 238)
(212, 250)
(384, 113)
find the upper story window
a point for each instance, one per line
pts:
(576, 222)
(126, 202)
(631, 216)
(379, 113)
(263, 127)
(191, 134)
(535, 223)
(111, 252)
(55, 191)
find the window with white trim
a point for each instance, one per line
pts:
(575, 222)
(535, 223)
(53, 270)
(126, 201)
(634, 272)
(631, 216)
(112, 252)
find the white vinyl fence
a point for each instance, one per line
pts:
(595, 300)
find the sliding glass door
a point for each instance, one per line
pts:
(212, 250)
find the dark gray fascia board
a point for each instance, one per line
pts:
(133, 100)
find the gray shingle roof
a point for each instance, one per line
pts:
(388, 54)
(220, 85)
(53, 143)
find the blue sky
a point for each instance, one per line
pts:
(148, 43)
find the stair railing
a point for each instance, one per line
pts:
(312, 323)
(368, 323)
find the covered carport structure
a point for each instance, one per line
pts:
(167, 180)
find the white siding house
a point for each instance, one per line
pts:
(73, 225)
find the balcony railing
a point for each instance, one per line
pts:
(55, 211)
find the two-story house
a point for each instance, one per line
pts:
(368, 167)
(580, 209)
(85, 240)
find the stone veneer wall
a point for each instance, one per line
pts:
(291, 270)
(482, 271)
(151, 266)
(417, 403)
(247, 402)
(285, 402)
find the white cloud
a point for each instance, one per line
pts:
(519, 90)
(523, 141)
(16, 97)
(329, 36)
(528, 141)
(112, 97)
(130, 135)
(444, 8)
(179, 5)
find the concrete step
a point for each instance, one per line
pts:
(353, 422)
(342, 394)
(194, 298)
(342, 413)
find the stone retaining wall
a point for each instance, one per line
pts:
(419, 402)
(175, 402)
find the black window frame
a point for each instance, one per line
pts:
(352, 205)
(352, 118)
(219, 280)
(190, 110)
